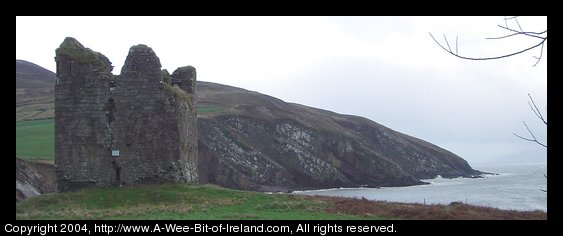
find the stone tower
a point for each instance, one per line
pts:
(138, 127)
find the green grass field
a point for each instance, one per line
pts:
(35, 139)
(209, 109)
(175, 201)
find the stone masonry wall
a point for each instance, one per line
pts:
(138, 127)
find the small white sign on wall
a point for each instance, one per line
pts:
(114, 153)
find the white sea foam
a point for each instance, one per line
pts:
(516, 187)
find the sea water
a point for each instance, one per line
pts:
(516, 187)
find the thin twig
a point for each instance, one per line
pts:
(529, 139)
(506, 21)
(526, 32)
(518, 23)
(456, 52)
(447, 43)
(531, 34)
(506, 36)
(536, 110)
(539, 58)
(544, 190)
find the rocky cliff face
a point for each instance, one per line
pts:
(33, 179)
(256, 142)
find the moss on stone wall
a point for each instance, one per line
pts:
(75, 51)
(178, 93)
(165, 77)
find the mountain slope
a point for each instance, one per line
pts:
(252, 141)
(32, 76)
(35, 91)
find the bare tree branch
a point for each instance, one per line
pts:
(456, 52)
(531, 34)
(544, 190)
(519, 31)
(542, 36)
(536, 110)
(487, 58)
(510, 18)
(528, 33)
(506, 20)
(450, 49)
(502, 37)
(541, 54)
(518, 23)
(533, 139)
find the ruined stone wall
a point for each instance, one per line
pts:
(138, 127)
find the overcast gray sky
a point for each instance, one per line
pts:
(387, 69)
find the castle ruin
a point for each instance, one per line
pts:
(137, 127)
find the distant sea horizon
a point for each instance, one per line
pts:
(516, 186)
